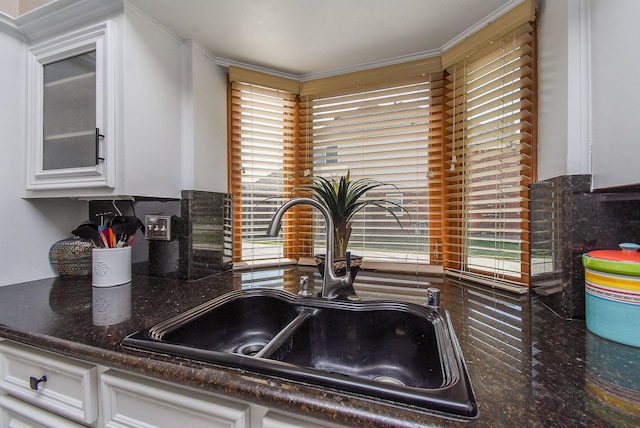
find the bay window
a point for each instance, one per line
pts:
(453, 135)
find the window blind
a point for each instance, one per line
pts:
(490, 110)
(263, 128)
(460, 151)
(390, 132)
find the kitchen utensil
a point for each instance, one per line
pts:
(88, 231)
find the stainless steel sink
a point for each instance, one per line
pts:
(391, 350)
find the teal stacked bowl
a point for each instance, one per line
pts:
(612, 293)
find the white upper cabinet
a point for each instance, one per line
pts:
(71, 135)
(105, 94)
(613, 93)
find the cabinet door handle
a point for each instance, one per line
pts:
(33, 382)
(98, 137)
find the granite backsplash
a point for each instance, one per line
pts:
(201, 244)
(568, 220)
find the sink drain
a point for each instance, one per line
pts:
(250, 349)
(389, 379)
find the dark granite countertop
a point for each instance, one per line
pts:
(528, 367)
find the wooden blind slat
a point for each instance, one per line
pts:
(488, 120)
(392, 134)
(263, 135)
(373, 78)
(258, 79)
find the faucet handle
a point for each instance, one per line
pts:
(348, 263)
(304, 286)
(433, 298)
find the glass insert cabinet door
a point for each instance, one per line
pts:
(71, 125)
(70, 135)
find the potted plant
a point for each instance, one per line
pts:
(344, 199)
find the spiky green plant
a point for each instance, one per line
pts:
(342, 197)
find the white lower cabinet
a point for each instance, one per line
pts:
(17, 413)
(61, 385)
(132, 401)
(43, 389)
(277, 420)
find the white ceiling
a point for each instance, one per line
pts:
(321, 37)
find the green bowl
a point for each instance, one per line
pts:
(618, 268)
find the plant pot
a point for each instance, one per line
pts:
(340, 265)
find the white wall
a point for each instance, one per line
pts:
(27, 228)
(151, 111)
(552, 88)
(175, 102)
(588, 91)
(210, 119)
(563, 89)
(205, 123)
(615, 90)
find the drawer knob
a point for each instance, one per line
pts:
(33, 382)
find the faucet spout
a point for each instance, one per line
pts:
(331, 284)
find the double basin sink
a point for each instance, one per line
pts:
(390, 350)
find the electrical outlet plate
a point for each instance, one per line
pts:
(157, 227)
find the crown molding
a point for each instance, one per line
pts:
(390, 61)
(131, 9)
(54, 17)
(197, 47)
(8, 26)
(329, 73)
(369, 65)
(224, 62)
(480, 24)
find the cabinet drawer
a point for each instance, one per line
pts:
(70, 389)
(276, 420)
(133, 401)
(17, 413)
